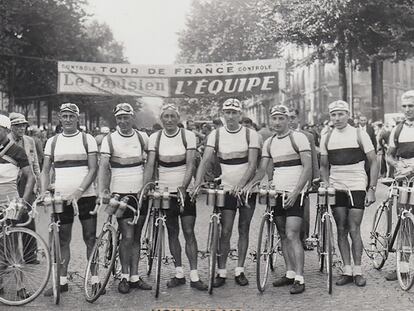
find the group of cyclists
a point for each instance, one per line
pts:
(128, 159)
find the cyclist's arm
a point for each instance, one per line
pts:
(92, 171)
(306, 174)
(149, 167)
(253, 152)
(207, 157)
(27, 172)
(391, 156)
(261, 171)
(373, 164)
(324, 169)
(45, 175)
(189, 168)
(104, 174)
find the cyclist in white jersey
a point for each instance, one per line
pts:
(121, 171)
(237, 149)
(290, 153)
(75, 163)
(171, 153)
(343, 154)
(401, 152)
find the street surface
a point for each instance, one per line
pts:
(377, 295)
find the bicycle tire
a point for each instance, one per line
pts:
(320, 247)
(212, 251)
(405, 250)
(159, 255)
(105, 246)
(151, 239)
(19, 264)
(328, 252)
(54, 244)
(264, 251)
(379, 237)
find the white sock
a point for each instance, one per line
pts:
(125, 276)
(238, 270)
(63, 280)
(290, 274)
(300, 279)
(347, 270)
(179, 272)
(95, 279)
(134, 278)
(194, 276)
(357, 270)
(222, 273)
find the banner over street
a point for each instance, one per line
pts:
(179, 80)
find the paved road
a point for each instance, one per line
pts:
(377, 295)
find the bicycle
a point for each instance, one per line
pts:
(159, 201)
(382, 241)
(101, 263)
(21, 281)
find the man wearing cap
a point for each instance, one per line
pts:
(74, 156)
(343, 153)
(400, 155)
(290, 153)
(13, 161)
(237, 148)
(171, 153)
(121, 170)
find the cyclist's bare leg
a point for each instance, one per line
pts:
(173, 228)
(245, 218)
(89, 234)
(125, 245)
(293, 229)
(286, 250)
(354, 224)
(188, 223)
(65, 236)
(136, 245)
(340, 214)
(227, 221)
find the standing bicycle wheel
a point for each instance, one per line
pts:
(320, 248)
(21, 282)
(381, 229)
(265, 249)
(212, 247)
(405, 249)
(159, 253)
(101, 263)
(150, 239)
(54, 248)
(328, 250)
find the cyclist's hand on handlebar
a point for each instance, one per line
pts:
(291, 198)
(370, 197)
(236, 190)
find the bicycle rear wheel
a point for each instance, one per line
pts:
(22, 282)
(328, 237)
(379, 237)
(212, 252)
(54, 246)
(159, 254)
(264, 252)
(100, 264)
(405, 249)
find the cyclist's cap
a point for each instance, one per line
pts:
(407, 97)
(123, 108)
(17, 118)
(279, 110)
(5, 122)
(69, 107)
(338, 105)
(170, 106)
(232, 104)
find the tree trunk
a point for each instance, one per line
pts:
(12, 79)
(377, 90)
(343, 85)
(49, 112)
(38, 113)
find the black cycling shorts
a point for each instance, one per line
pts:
(295, 210)
(85, 204)
(174, 210)
(342, 199)
(134, 203)
(231, 202)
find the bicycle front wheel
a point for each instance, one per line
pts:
(54, 245)
(405, 249)
(21, 280)
(379, 237)
(100, 263)
(264, 252)
(150, 241)
(212, 253)
(328, 247)
(159, 255)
